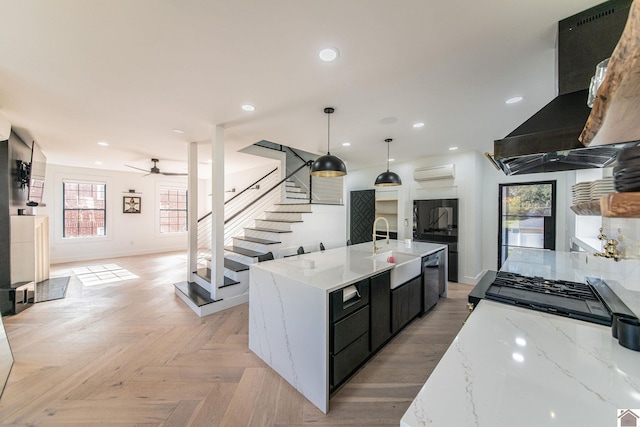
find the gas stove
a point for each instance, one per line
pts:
(592, 301)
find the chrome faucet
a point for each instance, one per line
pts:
(375, 248)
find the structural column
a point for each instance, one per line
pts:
(192, 211)
(217, 210)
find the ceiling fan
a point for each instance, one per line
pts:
(155, 170)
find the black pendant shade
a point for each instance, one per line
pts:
(388, 179)
(328, 166)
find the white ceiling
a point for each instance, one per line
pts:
(75, 72)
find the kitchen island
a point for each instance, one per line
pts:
(291, 321)
(510, 365)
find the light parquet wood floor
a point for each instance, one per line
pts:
(132, 354)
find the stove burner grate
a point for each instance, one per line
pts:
(566, 289)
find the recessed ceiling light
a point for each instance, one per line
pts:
(103, 143)
(178, 131)
(388, 120)
(346, 144)
(513, 100)
(248, 107)
(418, 125)
(453, 148)
(98, 162)
(328, 54)
(392, 160)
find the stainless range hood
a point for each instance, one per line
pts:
(548, 141)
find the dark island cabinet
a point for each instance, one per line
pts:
(380, 294)
(405, 303)
(358, 325)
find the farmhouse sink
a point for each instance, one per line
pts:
(407, 266)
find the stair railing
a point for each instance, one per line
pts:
(233, 206)
(238, 218)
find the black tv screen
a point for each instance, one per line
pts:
(36, 177)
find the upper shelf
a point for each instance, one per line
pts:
(615, 116)
(614, 205)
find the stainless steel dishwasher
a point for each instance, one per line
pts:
(433, 279)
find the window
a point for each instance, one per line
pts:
(84, 211)
(527, 217)
(173, 210)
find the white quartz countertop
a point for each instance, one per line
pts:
(510, 365)
(339, 267)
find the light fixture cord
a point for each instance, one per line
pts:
(328, 132)
(387, 156)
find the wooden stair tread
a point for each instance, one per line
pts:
(288, 221)
(290, 204)
(235, 265)
(269, 230)
(244, 251)
(195, 293)
(288, 212)
(257, 240)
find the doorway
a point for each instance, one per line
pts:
(527, 217)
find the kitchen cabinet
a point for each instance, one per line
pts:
(359, 326)
(348, 331)
(380, 310)
(405, 303)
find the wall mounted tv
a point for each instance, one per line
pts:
(36, 175)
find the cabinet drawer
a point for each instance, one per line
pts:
(341, 309)
(349, 329)
(345, 362)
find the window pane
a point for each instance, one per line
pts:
(173, 210)
(84, 209)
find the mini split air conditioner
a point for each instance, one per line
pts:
(434, 173)
(5, 128)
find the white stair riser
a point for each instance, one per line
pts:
(240, 258)
(295, 208)
(258, 247)
(285, 226)
(238, 276)
(233, 291)
(296, 201)
(267, 235)
(295, 190)
(287, 216)
(296, 196)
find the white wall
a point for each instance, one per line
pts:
(127, 234)
(241, 180)
(476, 187)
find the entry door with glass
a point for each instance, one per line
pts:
(527, 217)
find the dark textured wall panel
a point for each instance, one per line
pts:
(363, 211)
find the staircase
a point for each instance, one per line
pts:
(273, 235)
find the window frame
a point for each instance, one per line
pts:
(549, 240)
(65, 237)
(165, 187)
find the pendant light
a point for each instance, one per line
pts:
(328, 166)
(388, 179)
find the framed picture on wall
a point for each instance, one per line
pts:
(131, 204)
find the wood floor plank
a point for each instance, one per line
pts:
(132, 354)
